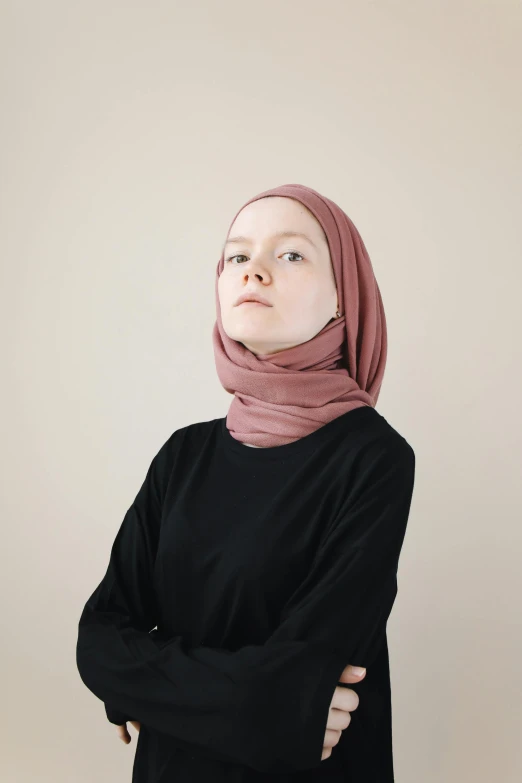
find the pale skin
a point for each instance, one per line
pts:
(303, 300)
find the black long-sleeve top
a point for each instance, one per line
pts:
(240, 584)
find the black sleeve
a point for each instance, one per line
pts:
(125, 596)
(115, 716)
(264, 706)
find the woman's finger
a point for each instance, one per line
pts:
(123, 733)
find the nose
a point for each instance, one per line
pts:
(256, 274)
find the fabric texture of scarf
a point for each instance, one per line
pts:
(281, 397)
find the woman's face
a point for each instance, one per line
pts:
(293, 273)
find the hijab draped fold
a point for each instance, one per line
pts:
(281, 397)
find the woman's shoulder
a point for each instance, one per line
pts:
(383, 433)
(186, 437)
(383, 448)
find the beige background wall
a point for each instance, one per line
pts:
(130, 134)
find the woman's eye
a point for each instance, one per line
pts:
(288, 252)
(292, 253)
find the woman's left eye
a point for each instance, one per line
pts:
(293, 253)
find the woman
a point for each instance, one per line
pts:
(259, 558)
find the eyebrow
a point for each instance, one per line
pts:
(279, 234)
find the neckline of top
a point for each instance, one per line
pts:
(346, 421)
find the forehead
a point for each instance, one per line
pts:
(245, 240)
(274, 218)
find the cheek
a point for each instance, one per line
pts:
(310, 307)
(308, 295)
(223, 290)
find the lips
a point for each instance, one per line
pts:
(252, 298)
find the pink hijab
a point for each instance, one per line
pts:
(281, 397)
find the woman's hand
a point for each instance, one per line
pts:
(344, 701)
(123, 732)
